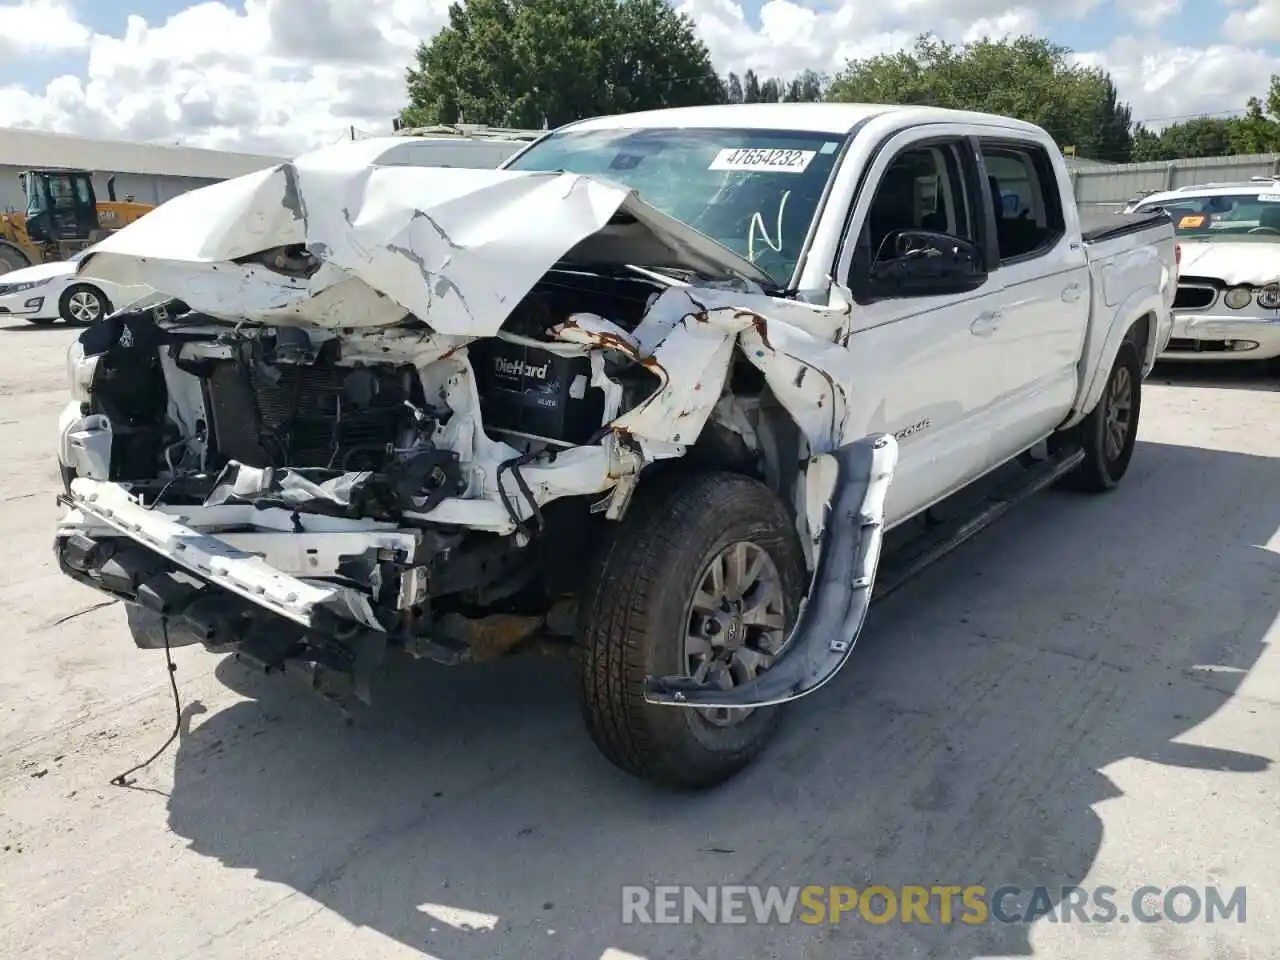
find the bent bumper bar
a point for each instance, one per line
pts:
(833, 613)
(215, 561)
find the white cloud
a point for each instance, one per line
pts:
(1010, 23)
(279, 76)
(1258, 24)
(37, 27)
(1170, 83)
(1149, 13)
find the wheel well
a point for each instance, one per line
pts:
(1140, 335)
(749, 433)
(86, 285)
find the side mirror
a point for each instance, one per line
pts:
(922, 262)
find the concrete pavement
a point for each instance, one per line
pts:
(1088, 693)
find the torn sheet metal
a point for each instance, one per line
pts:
(456, 247)
(1253, 262)
(835, 609)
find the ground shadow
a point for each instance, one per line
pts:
(25, 327)
(963, 744)
(1229, 375)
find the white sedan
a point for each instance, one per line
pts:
(1228, 300)
(48, 292)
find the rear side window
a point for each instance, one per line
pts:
(1028, 205)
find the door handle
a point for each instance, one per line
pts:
(985, 324)
(1071, 293)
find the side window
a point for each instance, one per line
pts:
(922, 189)
(1028, 205)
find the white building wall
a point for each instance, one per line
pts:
(150, 173)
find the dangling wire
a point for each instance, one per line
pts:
(123, 779)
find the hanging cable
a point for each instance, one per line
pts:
(123, 779)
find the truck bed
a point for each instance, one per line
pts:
(1097, 227)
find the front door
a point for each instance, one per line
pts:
(926, 368)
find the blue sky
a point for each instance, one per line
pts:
(280, 74)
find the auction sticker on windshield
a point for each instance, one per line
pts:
(763, 160)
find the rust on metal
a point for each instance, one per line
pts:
(758, 321)
(491, 637)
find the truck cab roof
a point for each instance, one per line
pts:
(836, 118)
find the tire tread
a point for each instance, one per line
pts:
(614, 622)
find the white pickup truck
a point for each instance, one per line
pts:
(654, 390)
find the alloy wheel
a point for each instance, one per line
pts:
(1118, 420)
(736, 623)
(84, 306)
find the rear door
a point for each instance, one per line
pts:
(925, 368)
(1042, 300)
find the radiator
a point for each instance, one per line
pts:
(294, 422)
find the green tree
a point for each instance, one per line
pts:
(733, 89)
(524, 63)
(1257, 131)
(1026, 77)
(808, 87)
(1147, 145)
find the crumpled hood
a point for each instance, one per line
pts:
(456, 247)
(1253, 262)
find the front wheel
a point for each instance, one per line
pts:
(1109, 433)
(703, 578)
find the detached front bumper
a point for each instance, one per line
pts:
(259, 588)
(1221, 337)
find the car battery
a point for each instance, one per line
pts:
(535, 394)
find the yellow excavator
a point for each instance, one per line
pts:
(63, 216)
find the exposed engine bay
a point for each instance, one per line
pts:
(302, 418)
(279, 426)
(386, 433)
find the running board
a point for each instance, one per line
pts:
(901, 566)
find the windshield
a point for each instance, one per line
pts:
(1253, 216)
(754, 191)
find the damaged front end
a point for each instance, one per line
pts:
(350, 427)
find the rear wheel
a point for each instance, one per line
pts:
(82, 304)
(703, 578)
(1109, 433)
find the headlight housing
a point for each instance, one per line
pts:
(8, 288)
(1269, 297)
(80, 372)
(1237, 298)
